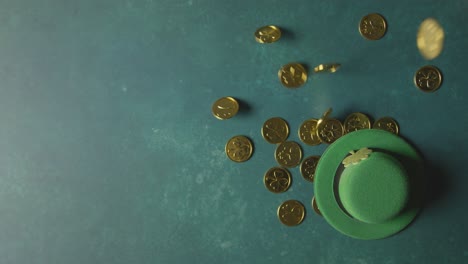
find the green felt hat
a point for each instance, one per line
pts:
(377, 191)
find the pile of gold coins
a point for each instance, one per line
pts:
(326, 130)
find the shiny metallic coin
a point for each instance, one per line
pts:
(330, 130)
(387, 124)
(430, 39)
(267, 34)
(331, 68)
(275, 130)
(308, 167)
(288, 154)
(277, 180)
(239, 148)
(225, 108)
(315, 207)
(308, 132)
(292, 75)
(291, 213)
(373, 27)
(356, 121)
(428, 79)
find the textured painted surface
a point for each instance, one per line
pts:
(109, 152)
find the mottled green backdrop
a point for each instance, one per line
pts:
(109, 152)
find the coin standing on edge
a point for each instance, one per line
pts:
(308, 132)
(267, 34)
(315, 207)
(288, 154)
(356, 121)
(277, 180)
(373, 26)
(291, 213)
(388, 124)
(330, 130)
(225, 108)
(428, 79)
(331, 68)
(292, 75)
(239, 148)
(275, 130)
(308, 167)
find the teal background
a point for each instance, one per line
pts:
(109, 152)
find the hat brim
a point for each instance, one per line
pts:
(328, 168)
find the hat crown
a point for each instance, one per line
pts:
(375, 189)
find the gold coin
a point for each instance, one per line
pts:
(428, 79)
(308, 167)
(332, 67)
(292, 75)
(325, 116)
(288, 154)
(267, 34)
(330, 130)
(430, 39)
(275, 130)
(315, 207)
(388, 124)
(277, 180)
(308, 132)
(291, 213)
(356, 121)
(372, 27)
(225, 108)
(239, 148)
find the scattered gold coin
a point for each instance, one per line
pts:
(277, 180)
(330, 130)
(308, 167)
(315, 207)
(267, 34)
(388, 124)
(332, 67)
(308, 132)
(292, 75)
(225, 108)
(291, 213)
(288, 154)
(373, 26)
(428, 79)
(275, 130)
(356, 121)
(239, 148)
(430, 39)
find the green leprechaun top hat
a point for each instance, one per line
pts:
(368, 184)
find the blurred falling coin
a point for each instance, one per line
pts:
(275, 130)
(430, 39)
(225, 108)
(291, 213)
(277, 180)
(428, 79)
(308, 167)
(373, 26)
(288, 154)
(387, 124)
(325, 116)
(239, 148)
(331, 68)
(315, 207)
(308, 132)
(292, 75)
(267, 34)
(356, 121)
